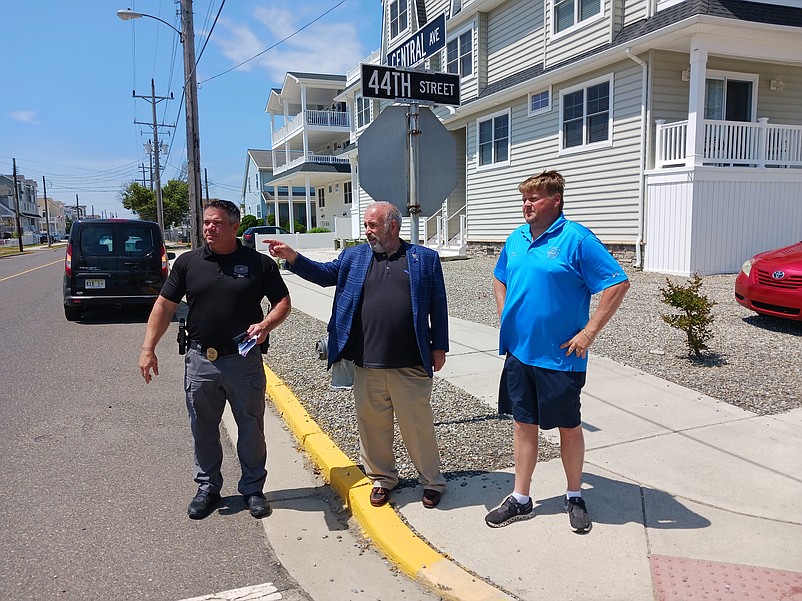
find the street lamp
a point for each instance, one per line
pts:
(187, 37)
(126, 14)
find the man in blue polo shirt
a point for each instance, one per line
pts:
(543, 280)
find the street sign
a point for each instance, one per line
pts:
(421, 45)
(387, 83)
(384, 162)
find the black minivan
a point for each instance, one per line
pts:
(113, 262)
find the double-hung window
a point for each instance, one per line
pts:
(459, 54)
(348, 195)
(494, 139)
(321, 198)
(569, 13)
(362, 108)
(586, 115)
(399, 18)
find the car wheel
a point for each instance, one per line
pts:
(72, 313)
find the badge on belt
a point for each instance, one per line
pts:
(211, 353)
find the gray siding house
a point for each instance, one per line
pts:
(678, 125)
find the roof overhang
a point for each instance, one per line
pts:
(720, 36)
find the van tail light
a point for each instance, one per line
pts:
(68, 261)
(164, 261)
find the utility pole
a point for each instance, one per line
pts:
(156, 160)
(193, 136)
(145, 179)
(47, 212)
(16, 204)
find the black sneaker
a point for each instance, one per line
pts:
(202, 504)
(578, 514)
(508, 512)
(258, 505)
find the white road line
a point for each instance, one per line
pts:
(258, 592)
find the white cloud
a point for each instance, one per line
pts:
(323, 47)
(24, 116)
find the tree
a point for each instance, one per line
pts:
(142, 201)
(246, 222)
(175, 202)
(696, 317)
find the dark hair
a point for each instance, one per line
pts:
(227, 206)
(550, 181)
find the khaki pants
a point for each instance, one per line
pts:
(378, 394)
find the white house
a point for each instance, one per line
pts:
(309, 134)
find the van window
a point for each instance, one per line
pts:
(97, 240)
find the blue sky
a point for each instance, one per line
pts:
(67, 111)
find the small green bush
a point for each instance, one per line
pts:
(696, 316)
(319, 230)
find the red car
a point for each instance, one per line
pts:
(770, 283)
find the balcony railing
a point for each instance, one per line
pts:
(732, 143)
(325, 159)
(338, 119)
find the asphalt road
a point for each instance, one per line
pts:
(95, 465)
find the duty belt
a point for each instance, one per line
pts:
(210, 352)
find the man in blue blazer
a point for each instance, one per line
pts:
(390, 318)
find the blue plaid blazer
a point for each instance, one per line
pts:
(348, 273)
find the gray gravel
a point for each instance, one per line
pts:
(753, 362)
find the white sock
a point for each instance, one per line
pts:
(522, 499)
(570, 494)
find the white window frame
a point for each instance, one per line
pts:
(494, 162)
(455, 36)
(321, 198)
(584, 86)
(401, 31)
(348, 193)
(578, 23)
(542, 109)
(366, 111)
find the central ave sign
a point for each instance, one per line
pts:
(387, 83)
(426, 41)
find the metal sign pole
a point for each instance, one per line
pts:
(413, 206)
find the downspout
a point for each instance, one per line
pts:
(642, 166)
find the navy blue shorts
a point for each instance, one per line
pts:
(536, 395)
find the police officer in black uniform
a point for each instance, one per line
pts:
(224, 283)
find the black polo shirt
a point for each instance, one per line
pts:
(383, 333)
(224, 292)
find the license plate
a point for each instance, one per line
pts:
(94, 284)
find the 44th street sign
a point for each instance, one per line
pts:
(387, 83)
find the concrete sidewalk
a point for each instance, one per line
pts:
(691, 498)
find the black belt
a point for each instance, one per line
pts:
(211, 352)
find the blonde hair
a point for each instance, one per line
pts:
(550, 181)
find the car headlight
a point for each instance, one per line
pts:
(747, 266)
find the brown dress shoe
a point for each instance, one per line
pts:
(379, 496)
(431, 498)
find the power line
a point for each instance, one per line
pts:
(276, 44)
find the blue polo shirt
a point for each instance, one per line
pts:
(549, 284)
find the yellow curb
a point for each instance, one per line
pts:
(381, 524)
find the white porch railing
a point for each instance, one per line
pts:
(325, 159)
(441, 237)
(338, 119)
(732, 143)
